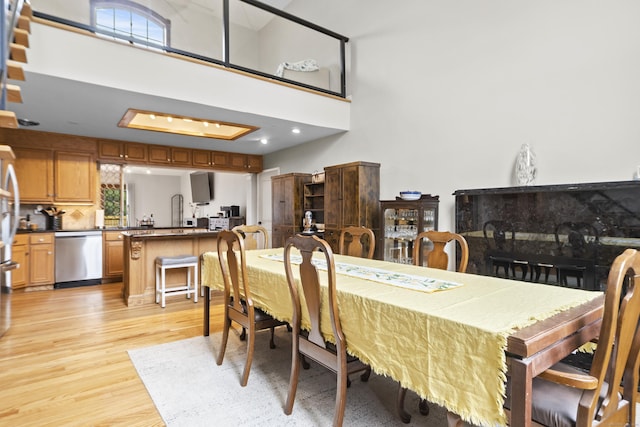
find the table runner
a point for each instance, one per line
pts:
(446, 346)
(407, 281)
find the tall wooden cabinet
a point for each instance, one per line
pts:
(351, 198)
(287, 206)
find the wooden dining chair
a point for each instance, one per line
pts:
(238, 304)
(255, 236)
(357, 241)
(310, 297)
(436, 258)
(605, 396)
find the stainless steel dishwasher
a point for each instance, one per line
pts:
(78, 258)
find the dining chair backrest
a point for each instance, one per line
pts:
(437, 257)
(255, 236)
(312, 299)
(238, 302)
(615, 360)
(311, 290)
(357, 241)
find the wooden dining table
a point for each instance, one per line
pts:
(450, 337)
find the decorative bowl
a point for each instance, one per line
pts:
(410, 195)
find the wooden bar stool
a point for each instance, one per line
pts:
(164, 263)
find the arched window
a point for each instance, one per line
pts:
(128, 19)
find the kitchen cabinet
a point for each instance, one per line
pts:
(34, 171)
(113, 252)
(287, 206)
(351, 198)
(50, 176)
(247, 162)
(19, 254)
(166, 155)
(41, 259)
(401, 221)
(118, 151)
(75, 175)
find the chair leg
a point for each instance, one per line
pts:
(225, 336)
(405, 417)
(341, 397)
(243, 334)
(365, 375)
(247, 364)
(272, 343)
(293, 379)
(305, 364)
(424, 407)
(207, 310)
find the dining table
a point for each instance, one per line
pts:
(450, 337)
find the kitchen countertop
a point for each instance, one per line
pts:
(166, 232)
(128, 230)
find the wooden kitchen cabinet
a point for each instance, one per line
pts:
(351, 198)
(75, 175)
(113, 252)
(247, 162)
(34, 171)
(166, 155)
(118, 151)
(49, 176)
(41, 259)
(287, 206)
(19, 254)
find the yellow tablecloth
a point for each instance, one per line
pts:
(448, 346)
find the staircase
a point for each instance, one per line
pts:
(15, 27)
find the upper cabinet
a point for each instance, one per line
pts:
(118, 151)
(128, 152)
(55, 176)
(174, 156)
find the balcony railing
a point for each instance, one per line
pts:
(244, 35)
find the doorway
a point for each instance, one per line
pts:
(264, 198)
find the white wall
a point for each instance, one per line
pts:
(153, 192)
(445, 92)
(152, 195)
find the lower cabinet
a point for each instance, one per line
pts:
(36, 255)
(19, 254)
(113, 253)
(41, 259)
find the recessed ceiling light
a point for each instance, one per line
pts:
(263, 140)
(191, 126)
(295, 130)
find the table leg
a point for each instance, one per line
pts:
(521, 378)
(207, 300)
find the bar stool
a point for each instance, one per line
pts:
(164, 263)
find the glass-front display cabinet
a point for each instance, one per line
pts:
(401, 221)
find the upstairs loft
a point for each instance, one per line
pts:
(82, 83)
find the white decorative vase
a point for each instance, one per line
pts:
(526, 166)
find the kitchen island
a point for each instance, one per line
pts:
(141, 247)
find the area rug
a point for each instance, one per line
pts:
(189, 389)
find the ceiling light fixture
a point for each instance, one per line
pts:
(263, 140)
(191, 126)
(295, 130)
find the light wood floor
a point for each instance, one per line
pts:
(64, 361)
